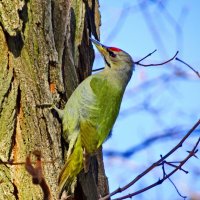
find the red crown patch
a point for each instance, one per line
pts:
(115, 49)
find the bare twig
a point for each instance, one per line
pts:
(96, 70)
(191, 154)
(165, 174)
(146, 56)
(157, 64)
(173, 165)
(196, 72)
(184, 197)
(160, 181)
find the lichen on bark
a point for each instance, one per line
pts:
(42, 43)
(9, 15)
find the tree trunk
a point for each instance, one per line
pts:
(44, 54)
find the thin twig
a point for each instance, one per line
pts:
(160, 181)
(158, 64)
(196, 72)
(95, 70)
(164, 174)
(157, 164)
(172, 165)
(145, 57)
(184, 197)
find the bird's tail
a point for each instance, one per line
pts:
(68, 176)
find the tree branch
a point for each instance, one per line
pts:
(157, 64)
(160, 181)
(146, 56)
(156, 164)
(196, 72)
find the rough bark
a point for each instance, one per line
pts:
(44, 53)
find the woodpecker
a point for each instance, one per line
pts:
(91, 112)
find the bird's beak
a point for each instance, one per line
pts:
(99, 46)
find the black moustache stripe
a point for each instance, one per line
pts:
(107, 62)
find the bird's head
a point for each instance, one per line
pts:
(114, 58)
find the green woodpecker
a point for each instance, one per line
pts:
(91, 111)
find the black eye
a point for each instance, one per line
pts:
(111, 53)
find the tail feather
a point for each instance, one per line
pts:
(68, 176)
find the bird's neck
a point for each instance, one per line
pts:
(120, 77)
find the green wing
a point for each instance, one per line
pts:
(100, 113)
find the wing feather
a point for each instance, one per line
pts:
(99, 113)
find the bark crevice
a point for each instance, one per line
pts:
(23, 14)
(15, 191)
(15, 43)
(13, 138)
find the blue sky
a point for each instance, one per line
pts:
(174, 102)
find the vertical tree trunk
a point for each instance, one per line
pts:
(44, 53)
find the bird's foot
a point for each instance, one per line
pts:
(65, 196)
(52, 106)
